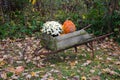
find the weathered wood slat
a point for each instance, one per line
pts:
(72, 41)
(64, 41)
(71, 35)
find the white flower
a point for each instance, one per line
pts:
(52, 28)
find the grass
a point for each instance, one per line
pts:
(96, 65)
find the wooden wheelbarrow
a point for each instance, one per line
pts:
(66, 41)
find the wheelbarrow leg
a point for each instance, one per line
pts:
(75, 49)
(91, 47)
(37, 50)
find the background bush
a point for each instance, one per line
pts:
(20, 17)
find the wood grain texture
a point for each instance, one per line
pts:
(71, 35)
(72, 41)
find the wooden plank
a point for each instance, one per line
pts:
(72, 41)
(71, 35)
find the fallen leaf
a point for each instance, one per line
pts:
(15, 77)
(117, 62)
(19, 45)
(92, 71)
(87, 63)
(28, 76)
(11, 69)
(5, 56)
(76, 77)
(52, 65)
(107, 70)
(72, 64)
(3, 75)
(109, 59)
(19, 69)
(2, 63)
(83, 78)
(33, 74)
(51, 78)
(95, 78)
(72, 74)
(19, 62)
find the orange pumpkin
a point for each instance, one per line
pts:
(68, 27)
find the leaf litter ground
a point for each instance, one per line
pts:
(18, 62)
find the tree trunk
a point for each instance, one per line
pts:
(113, 5)
(1, 12)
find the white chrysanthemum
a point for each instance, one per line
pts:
(53, 28)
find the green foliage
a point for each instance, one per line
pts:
(22, 18)
(20, 23)
(20, 26)
(9, 74)
(116, 25)
(96, 17)
(27, 19)
(102, 21)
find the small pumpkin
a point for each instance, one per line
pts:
(68, 27)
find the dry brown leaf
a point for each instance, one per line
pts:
(15, 77)
(51, 78)
(19, 45)
(77, 77)
(33, 74)
(95, 78)
(117, 62)
(109, 59)
(3, 75)
(19, 69)
(5, 56)
(72, 64)
(111, 72)
(83, 78)
(72, 74)
(11, 69)
(2, 63)
(92, 71)
(28, 76)
(87, 63)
